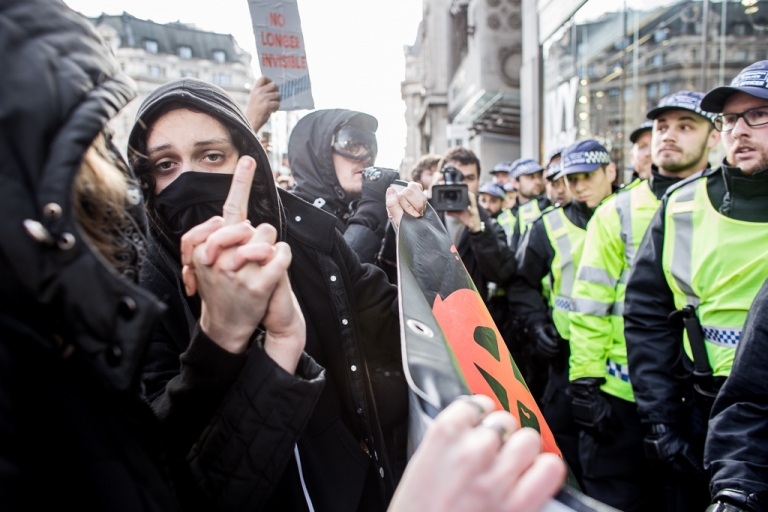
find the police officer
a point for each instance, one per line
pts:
(500, 173)
(556, 185)
(528, 176)
(550, 252)
(696, 273)
(640, 154)
(602, 394)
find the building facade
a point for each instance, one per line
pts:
(462, 83)
(602, 65)
(153, 54)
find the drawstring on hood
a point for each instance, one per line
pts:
(310, 155)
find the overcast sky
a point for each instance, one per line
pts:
(354, 49)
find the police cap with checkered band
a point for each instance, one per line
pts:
(584, 156)
(680, 100)
(752, 80)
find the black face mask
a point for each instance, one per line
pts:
(193, 198)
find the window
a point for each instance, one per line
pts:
(741, 55)
(150, 46)
(652, 91)
(219, 56)
(185, 52)
(188, 73)
(629, 93)
(663, 88)
(658, 60)
(156, 71)
(613, 93)
(660, 35)
(739, 29)
(221, 79)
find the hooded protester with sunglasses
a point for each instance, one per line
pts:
(328, 152)
(343, 456)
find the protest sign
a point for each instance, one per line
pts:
(282, 56)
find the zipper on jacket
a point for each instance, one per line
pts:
(301, 477)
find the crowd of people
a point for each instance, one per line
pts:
(181, 332)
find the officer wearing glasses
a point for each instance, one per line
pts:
(696, 275)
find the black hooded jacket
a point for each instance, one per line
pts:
(232, 421)
(74, 434)
(311, 158)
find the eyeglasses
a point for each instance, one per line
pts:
(753, 117)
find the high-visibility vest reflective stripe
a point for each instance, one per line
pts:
(714, 263)
(598, 347)
(526, 214)
(567, 241)
(506, 220)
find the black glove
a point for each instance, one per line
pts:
(371, 210)
(730, 500)
(376, 181)
(546, 337)
(666, 445)
(590, 408)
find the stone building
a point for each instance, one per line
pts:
(462, 83)
(153, 53)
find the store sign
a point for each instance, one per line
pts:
(280, 45)
(560, 115)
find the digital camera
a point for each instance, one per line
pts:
(451, 196)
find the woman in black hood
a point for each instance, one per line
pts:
(281, 446)
(74, 434)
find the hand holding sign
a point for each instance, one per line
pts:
(282, 57)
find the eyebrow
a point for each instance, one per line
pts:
(220, 140)
(155, 149)
(163, 147)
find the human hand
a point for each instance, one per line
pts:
(471, 216)
(546, 337)
(410, 200)
(666, 445)
(234, 266)
(465, 463)
(590, 408)
(263, 100)
(285, 325)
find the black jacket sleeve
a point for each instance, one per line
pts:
(534, 259)
(654, 350)
(494, 259)
(230, 421)
(737, 441)
(365, 229)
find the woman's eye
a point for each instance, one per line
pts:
(214, 157)
(164, 166)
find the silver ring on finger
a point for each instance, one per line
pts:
(498, 427)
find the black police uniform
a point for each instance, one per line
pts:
(534, 260)
(661, 372)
